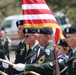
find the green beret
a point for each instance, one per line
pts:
(2, 28)
(70, 30)
(29, 30)
(19, 22)
(45, 30)
(62, 42)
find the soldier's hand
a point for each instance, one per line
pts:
(5, 65)
(19, 67)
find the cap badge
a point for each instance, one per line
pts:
(26, 30)
(38, 30)
(58, 41)
(67, 30)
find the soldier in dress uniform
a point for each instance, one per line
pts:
(3, 39)
(71, 41)
(22, 46)
(47, 68)
(46, 41)
(32, 40)
(40, 55)
(46, 55)
(2, 50)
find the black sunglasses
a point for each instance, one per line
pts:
(27, 36)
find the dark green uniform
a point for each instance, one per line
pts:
(31, 55)
(38, 55)
(20, 52)
(2, 47)
(2, 51)
(71, 63)
(44, 56)
(42, 69)
(20, 55)
(45, 68)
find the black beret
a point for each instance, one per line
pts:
(70, 30)
(29, 30)
(2, 28)
(62, 42)
(19, 22)
(45, 30)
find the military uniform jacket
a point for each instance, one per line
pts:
(45, 56)
(20, 52)
(31, 55)
(71, 63)
(20, 55)
(39, 55)
(42, 69)
(2, 50)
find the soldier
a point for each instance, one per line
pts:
(32, 40)
(71, 41)
(62, 50)
(40, 55)
(47, 68)
(3, 39)
(46, 41)
(22, 46)
(46, 55)
(62, 53)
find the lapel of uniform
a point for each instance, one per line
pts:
(20, 44)
(71, 57)
(32, 52)
(29, 55)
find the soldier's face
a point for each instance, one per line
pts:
(71, 40)
(30, 39)
(42, 40)
(20, 31)
(1, 33)
(60, 50)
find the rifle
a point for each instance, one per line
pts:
(55, 63)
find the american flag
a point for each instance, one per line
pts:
(36, 13)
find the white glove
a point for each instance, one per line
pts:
(19, 66)
(4, 64)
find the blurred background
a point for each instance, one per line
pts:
(63, 10)
(12, 7)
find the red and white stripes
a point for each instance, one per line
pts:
(36, 13)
